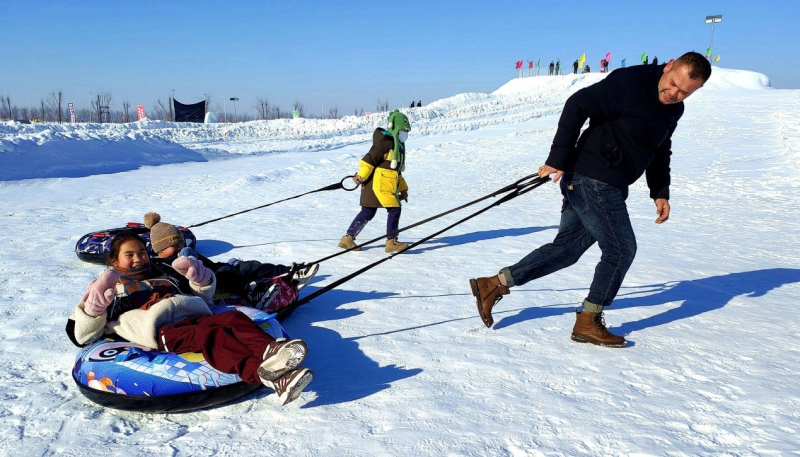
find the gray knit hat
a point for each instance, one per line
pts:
(162, 235)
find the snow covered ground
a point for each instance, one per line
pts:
(403, 364)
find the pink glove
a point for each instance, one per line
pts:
(193, 269)
(100, 293)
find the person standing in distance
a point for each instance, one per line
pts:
(632, 115)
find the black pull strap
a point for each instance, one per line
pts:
(521, 183)
(522, 186)
(335, 186)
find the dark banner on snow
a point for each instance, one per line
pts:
(189, 113)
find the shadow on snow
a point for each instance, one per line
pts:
(342, 371)
(457, 240)
(696, 296)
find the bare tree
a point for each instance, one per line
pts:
(382, 106)
(262, 106)
(333, 113)
(171, 104)
(5, 104)
(84, 115)
(300, 108)
(43, 116)
(101, 106)
(276, 112)
(162, 111)
(126, 107)
(55, 100)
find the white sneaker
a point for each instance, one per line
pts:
(289, 386)
(281, 357)
(303, 276)
(261, 293)
(234, 261)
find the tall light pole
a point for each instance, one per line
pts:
(234, 100)
(712, 20)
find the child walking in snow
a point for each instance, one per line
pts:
(382, 183)
(138, 301)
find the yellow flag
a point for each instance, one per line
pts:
(716, 58)
(582, 60)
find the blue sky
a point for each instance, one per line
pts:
(350, 54)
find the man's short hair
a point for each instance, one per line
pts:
(697, 64)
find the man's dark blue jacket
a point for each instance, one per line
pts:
(629, 131)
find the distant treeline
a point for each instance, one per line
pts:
(103, 109)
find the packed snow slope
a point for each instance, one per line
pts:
(402, 363)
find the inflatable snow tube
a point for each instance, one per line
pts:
(122, 375)
(93, 247)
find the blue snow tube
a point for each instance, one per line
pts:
(118, 374)
(93, 247)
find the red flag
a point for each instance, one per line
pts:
(530, 64)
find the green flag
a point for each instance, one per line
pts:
(644, 56)
(538, 62)
(708, 52)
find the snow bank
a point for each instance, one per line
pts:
(724, 78)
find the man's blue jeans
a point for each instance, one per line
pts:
(592, 211)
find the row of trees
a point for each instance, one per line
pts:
(53, 108)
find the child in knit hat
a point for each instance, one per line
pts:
(265, 286)
(144, 304)
(382, 183)
(162, 235)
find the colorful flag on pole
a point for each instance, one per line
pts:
(708, 53)
(538, 62)
(716, 58)
(623, 63)
(582, 60)
(608, 56)
(530, 64)
(644, 57)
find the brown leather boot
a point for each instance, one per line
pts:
(487, 292)
(591, 328)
